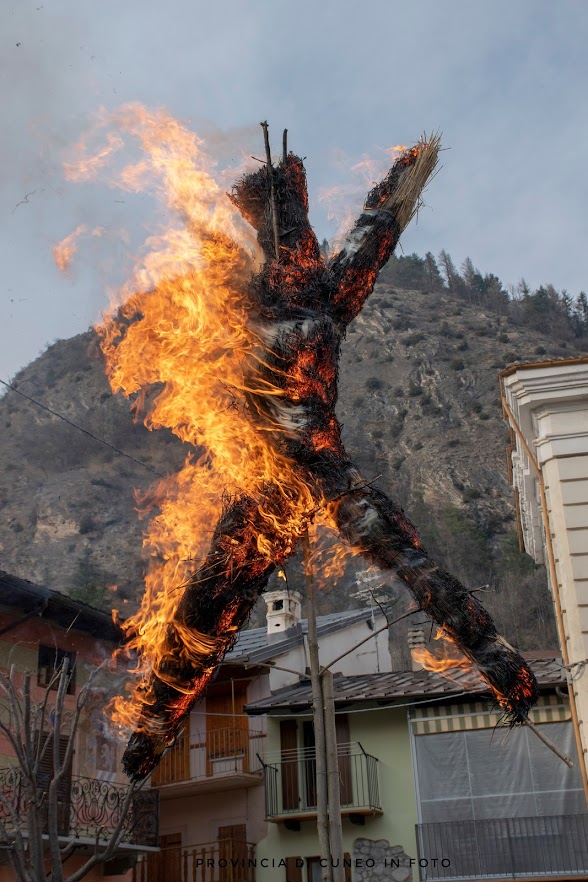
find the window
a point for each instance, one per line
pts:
(51, 660)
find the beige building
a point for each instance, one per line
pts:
(546, 405)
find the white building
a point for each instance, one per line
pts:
(546, 405)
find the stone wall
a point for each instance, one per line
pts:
(376, 859)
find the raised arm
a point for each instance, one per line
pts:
(388, 209)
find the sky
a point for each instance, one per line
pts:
(505, 83)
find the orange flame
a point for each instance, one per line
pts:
(64, 251)
(449, 662)
(183, 328)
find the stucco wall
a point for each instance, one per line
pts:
(385, 735)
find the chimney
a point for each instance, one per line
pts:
(284, 610)
(416, 640)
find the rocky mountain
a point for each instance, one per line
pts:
(420, 405)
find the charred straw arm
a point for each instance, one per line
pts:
(388, 209)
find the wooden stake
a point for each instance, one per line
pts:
(270, 170)
(285, 146)
(322, 805)
(549, 743)
(333, 779)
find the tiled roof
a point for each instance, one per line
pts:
(256, 645)
(394, 685)
(29, 599)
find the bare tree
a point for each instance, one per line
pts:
(35, 828)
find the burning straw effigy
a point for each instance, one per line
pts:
(298, 306)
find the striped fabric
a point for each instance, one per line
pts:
(475, 715)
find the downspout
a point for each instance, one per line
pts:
(553, 575)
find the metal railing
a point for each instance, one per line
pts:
(290, 783)
(213, 754)
(508, 848)
(228, 860)
(87, 808)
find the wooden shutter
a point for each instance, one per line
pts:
(45, 776)
(293, 871)
(232, 846)
(345, 771)
(309, 763)
(289, 747)
(227, 727)
(347, 859)
(166, 865)
(175, 765)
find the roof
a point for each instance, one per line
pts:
(257, 646)
(30, 599)
(532, 365)
(388, 687)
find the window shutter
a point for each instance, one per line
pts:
(293, 869)
(289, 754)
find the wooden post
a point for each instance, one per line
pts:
(322, 810)
(333, 779)
(270, 173)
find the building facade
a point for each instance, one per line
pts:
(212, 783)
(546, 405)
(433, 785)
(41, 630)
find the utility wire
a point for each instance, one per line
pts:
(81, 429)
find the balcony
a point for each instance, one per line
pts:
(290, 784)
(87, 807)
(546, 847)
(217, 759)
(228, 860)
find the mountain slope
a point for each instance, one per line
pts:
(419, 400)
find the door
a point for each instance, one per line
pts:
(166, 865)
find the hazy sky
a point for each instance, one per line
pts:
(506, 82)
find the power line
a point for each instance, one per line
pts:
(81, 429)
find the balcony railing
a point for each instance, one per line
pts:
(508, 848)
(228, 860)
(290, 783)
(212, 756)
(87, 807)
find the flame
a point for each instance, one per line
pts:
(182, 329)
(448, 657)
(64, 251)
(452, 664)
(449, 662)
